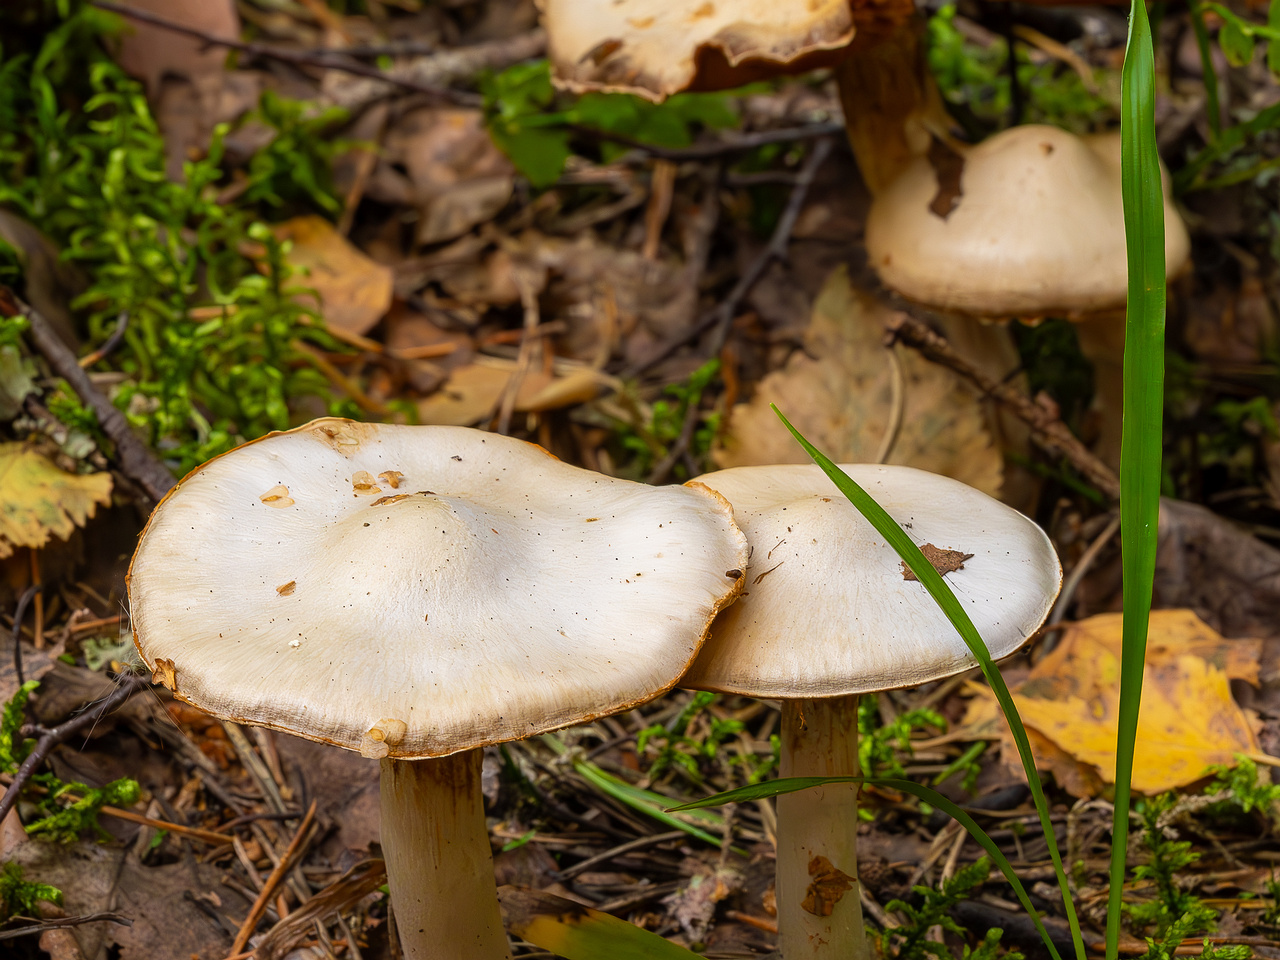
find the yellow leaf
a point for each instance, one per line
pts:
(39, 501)
(838, 393)
(1188, 720)
(355, 292)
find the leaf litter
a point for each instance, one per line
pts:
(458, 293)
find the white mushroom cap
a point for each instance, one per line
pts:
(418, 591)
(1038, 228)
(655, 48)
(826, 610)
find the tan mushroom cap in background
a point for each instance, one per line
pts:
(655, 48)
(826, 611)
(441, 587)
(1038, 229)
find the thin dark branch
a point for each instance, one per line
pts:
(19, 614)
(328, 61)
(40, 926)
(721, 147)
(1047, 429)
(134, 457)
(721, 317)
(44, 746)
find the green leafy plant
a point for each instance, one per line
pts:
(934, 910)
(536, 127)
(644, 444)
(1167, 857)
(976, 78)
(210, 349)
(295, 169)
(19, 897)
(675, 746)
(64, 810)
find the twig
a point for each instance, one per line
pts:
(1047, 430)
(136, 461)
(722, 316)
(719, 148)
(897, 403)
(273, 881)
(628, 847)
(20, 614)
(44, 746)
(40, 926)
(109, 345)
(1077, 573)
(298, 57)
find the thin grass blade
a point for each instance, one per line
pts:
(942, 595)
(1142, 436)
(773, 788)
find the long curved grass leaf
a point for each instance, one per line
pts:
(932, 581)
(1142, 436)
(773, 788)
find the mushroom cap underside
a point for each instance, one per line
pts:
(417, 591)
(1036, 229)
(827, 610)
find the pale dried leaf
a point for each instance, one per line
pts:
(39, 501)
(837, 392)
(149, 52)
(354, 291)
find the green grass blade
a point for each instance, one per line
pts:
(1140, 444)
(651, 804)
(1206, 65)
(773, 788)
(575, 932)
(942, 595)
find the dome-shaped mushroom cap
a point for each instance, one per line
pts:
(431, 589)
(826, 610)
(1037, 229)
(653, 47)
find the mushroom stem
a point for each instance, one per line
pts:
(439, 864)
(892, 105)
(819, 908)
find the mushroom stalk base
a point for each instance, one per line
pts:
(819, 908)
(439, 864)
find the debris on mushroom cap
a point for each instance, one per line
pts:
(1037, 228)
(500, 593)
(655, 48)
(826, 611)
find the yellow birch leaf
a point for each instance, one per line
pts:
(1188, 720)
(838, 393)
(39, 501)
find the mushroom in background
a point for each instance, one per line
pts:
(415, 593)
(829, 613)
(1031, 225)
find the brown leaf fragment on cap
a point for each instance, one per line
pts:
(277, 496)
(363, 483)
(392, 478)
(948, 167)
(944, 561)
(165, 673)
(286, 589)
(828, 886)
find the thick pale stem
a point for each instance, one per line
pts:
(819, 912)
(439, 864)
(892, 106)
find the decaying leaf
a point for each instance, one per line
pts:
(693, 906)
(354, 291)
(149, 52)
(473, 392)
(1188, 722)
(838, 393)
(460, 179)
(38, 501)
(826, 889)
(942, 560)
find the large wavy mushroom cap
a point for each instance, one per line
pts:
(1036, 229)
(418, 591)
(655, 48)
(827, 610)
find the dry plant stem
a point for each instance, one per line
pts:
(439, 865)
(136, 461)
(1047, 430)
(819, 739)
(44, 746)
(274, 879)
(63, 923)
(298, 58)
(722, 316)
